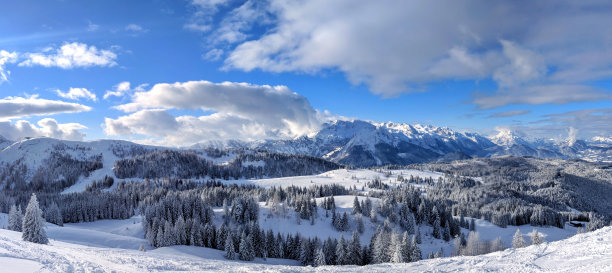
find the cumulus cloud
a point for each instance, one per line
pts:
(71, 55)
(239, 111)
(77, 93)
(17, 107)
(398, 46)
(510, 113)
(46, 127)
(6, 58)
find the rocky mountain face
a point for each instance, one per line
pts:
(362, 143)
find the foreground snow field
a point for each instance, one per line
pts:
(588, 252)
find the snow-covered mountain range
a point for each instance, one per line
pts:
(363, 143)
(357, 143)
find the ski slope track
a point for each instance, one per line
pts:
(588, 252)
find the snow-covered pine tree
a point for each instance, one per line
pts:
(536, 238)
(356, 206)
(418, 235)
(406, 247)
(437, 233)
(458, 246)
(33, 223)
(397, 256)
(247, 253)
(230, 253)
(15, 218)
(473, 244)
(354, 249)
(517, 240)
(446, 232)
(54, 215)
(497, 245)
(373, 216)
(416, 251)
(359, 222)
(319, 259)
(342, 257)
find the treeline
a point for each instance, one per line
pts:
(249, 164)
(56, 173)
(519, 190)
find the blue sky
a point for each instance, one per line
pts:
(538, 68)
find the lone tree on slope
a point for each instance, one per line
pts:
(34, 223)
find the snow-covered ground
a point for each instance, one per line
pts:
(343, 177)
(588, 252)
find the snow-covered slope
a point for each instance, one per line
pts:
(587, 252)
(33, 153)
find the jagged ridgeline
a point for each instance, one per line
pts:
(522, 190)
(246, 164)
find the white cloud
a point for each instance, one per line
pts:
(6, 58)
(71, 55)
(18, 107)
(539, 94)
(201, 21)
(47, 127)
(240, 111)
(213, 54)
(135, 28)
(396, 46)
(123, 88)
(77, 93)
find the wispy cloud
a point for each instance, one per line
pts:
(510, 113)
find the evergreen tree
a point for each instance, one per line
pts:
(517, 240)
(341, 255)
(359, 222)
(354, 250)
(373, 216)
(230, 253)
(446, 232)
(536, 238)
(416, 251)
(473, 244)
(15, 219)
(33, 223)
(247, 253)
(356, 206)
(418, 235)
(319, 259)
(397, 256)
(54, 215)
(472, 225)
(497, 245)
(406, 248)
